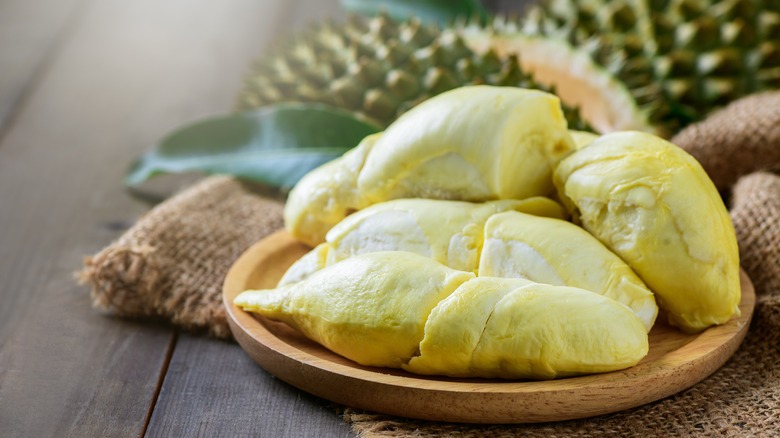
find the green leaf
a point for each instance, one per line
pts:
(437, 11)
(275, 145)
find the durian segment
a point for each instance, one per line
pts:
(310, 263)
(653, 205)
(472, 143)
(475, 143)
(559, 253)
(326, 195)
(517, 329)
(448, 231)
(582, 138)
(370, 308)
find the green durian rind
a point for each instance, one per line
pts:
(680, 59)
(378, 68)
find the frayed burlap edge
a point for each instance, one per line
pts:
(170, 265)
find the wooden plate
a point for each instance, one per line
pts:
(675, 362)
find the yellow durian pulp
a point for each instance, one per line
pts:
(474, 143)
(403, 310)
(448, 231)
(517, 329)
(653, 205)
(326, 195)
(582, 138)
(370, 308)
(556, 252)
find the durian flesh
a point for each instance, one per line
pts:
(474, 143)
(369, 308)
(556, 252)
(497, 239)
(514, 328)
(450, 232)
(402, 310)
(653, 205)
(326, 195)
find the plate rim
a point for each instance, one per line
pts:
(405, 396)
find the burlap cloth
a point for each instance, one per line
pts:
(170, 266)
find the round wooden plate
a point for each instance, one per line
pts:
(675, 362)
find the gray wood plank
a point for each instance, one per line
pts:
(128, 73)
(231, 395)
(81, 374)
(234, 397)
(30, 31)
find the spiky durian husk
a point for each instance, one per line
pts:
(680, 59)
(709, 53)
(587, 71)
(378, 68)
(615, 34)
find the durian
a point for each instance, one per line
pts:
(403, 310)
(369, 308)
(378, 68)
(474, 143)
(515, 328)
(678, 60)
(326, 195)
(582, 138)
(653, 205)
(509, 238)
(450, 232)
(709, 53)
(602, 98)
(552, 251)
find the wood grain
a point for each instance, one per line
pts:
(31, 32)
(120, 77)
(210, 377)
(675, 362)
(222, 385)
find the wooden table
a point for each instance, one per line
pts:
(86, 86)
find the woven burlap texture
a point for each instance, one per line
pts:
(756, 216)
(742, 138)
(171, 263)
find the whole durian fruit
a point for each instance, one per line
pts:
(658, 65)
(378, 68)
